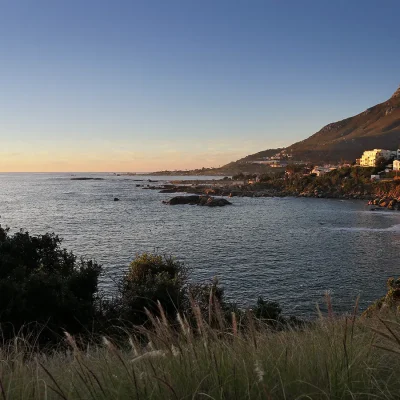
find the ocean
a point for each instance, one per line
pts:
(290, 250)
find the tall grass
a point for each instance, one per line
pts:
(333, 358)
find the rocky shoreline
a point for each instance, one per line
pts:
(229, 190)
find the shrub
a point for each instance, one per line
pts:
(41, 282)
(267, 310)
(153, 279)
(391, 301)
(150, 279)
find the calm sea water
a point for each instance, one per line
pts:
(286, 249)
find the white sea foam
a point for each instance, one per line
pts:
(393, 228)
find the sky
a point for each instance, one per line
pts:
(153, 85)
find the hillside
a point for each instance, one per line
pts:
(376, 127)
(345, 140)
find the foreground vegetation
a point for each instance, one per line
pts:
(45, 288)
(332, 359)
(162, 337)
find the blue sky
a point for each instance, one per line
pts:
(146, 85)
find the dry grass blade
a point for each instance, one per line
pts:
(197, 315)
(59, 391)
(234, 324)
(71, 341)
(390, 330)
(386, 349)
(3, 392)
(162, 313)
(383, 334)
(329, 306)
(168, 386)
(95, 378)
(353, 321)
(149, 354)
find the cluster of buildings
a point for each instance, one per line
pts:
(372, 158)
(279, 160)
(272, 163)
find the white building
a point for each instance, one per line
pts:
(321, 170)
(396, 165)
(370, 157)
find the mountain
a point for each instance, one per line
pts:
(376, 127)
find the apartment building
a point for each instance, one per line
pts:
(371, 157)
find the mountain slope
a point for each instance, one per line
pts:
(376, 127)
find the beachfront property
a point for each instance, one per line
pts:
(370, 158)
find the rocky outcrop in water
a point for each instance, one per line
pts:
(83, 178)
(170, 190)
(206, 201)
(384, 202)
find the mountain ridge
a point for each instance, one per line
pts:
(345, 140)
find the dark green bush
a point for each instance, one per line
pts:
(150, 279)
(267, 310)
(153, 279)
(41, 282)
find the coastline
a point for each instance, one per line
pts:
(225, 188)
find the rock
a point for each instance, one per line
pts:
(171, 190)
(198, 200)
(212, 202)
(392, 204)
(194, 199)
(203, 200)
(116, 199)
(87, 179)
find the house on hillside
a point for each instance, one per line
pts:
(370, 158)
(319, 171)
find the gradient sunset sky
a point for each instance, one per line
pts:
(149, 85)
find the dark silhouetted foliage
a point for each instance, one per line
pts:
(150, 279)
(41, 282)
(269, 310)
